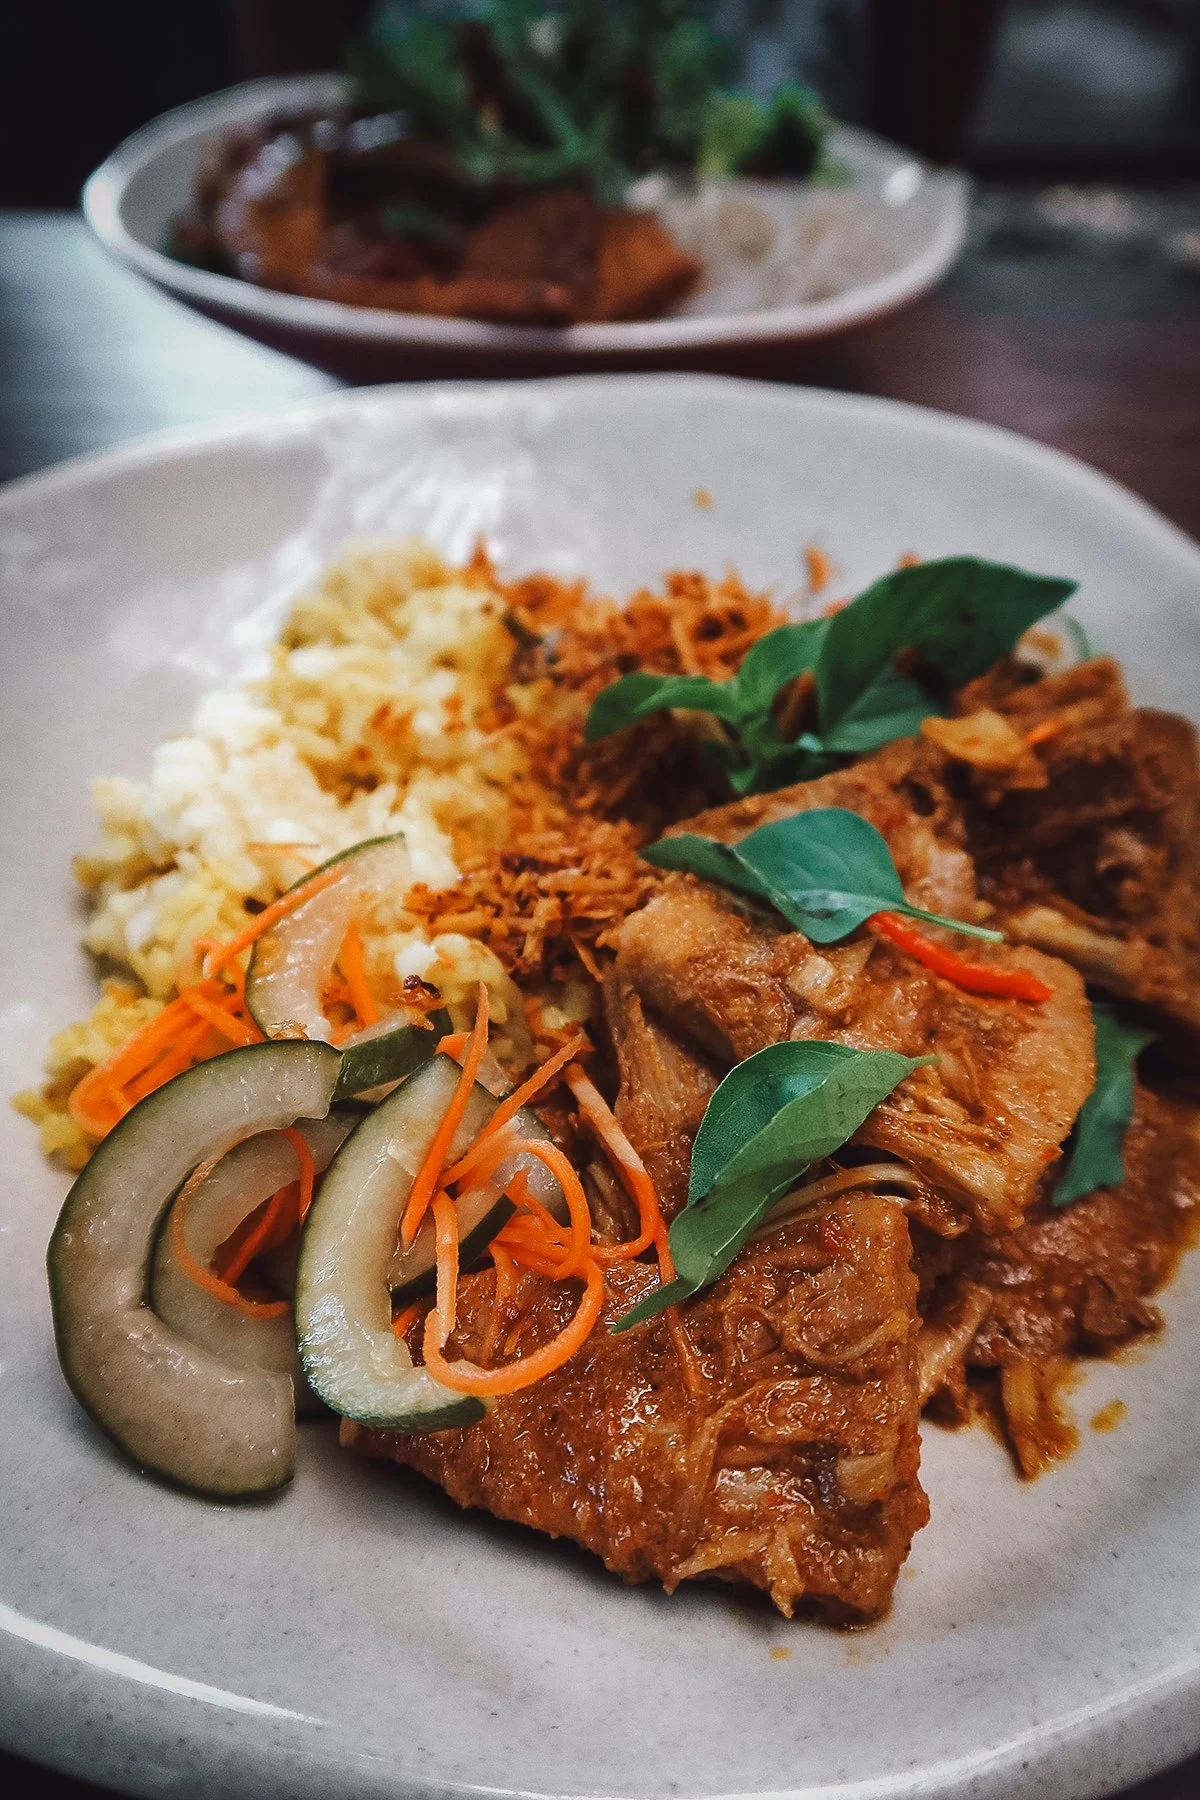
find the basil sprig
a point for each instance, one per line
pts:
(826, 871)
(1096, 1157)
(952, 619)
(743, 704)
(772, 1116)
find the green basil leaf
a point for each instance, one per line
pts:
(748, 1131)
(776, 659)
(892, 707)
(1096, 1157)
(960, 614)
(636, 696)
(772, 1116)
(826, 871)
(770, 761)
(705, 857)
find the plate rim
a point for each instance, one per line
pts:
(293, 313)
(1166, 1699)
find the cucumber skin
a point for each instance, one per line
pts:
(411, 1046)
(60, 1316)
(470, 1252)
(67, 1313)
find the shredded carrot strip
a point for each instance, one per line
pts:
(107, 1079)
(204, 1277)
(498, 1148)
(238, 1031)
(533, 1237)
(350, 961)
(465, 1378)
(532, 1232)
(528, 1238)
(188, 1030)
(275, 1221)
(174, 1061)
(578, 1249)
(632, 1170)
(452, 1045)
(818, 566)
(96, 1102)
(289, 1221)
(530, 1258)
(220, 956)
(403, 1320)
(138, 1052)
(974, 978)
(445, 1230)
(1049, 728)
(431, 1167)
(521, 1096)
(541, 1223)
(502, 1296)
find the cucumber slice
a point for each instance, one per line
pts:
(351, 1356)
(291, 963)
(216, 1206)
(374, 1060)
(173, 1407)
(482, 1213)
(412, 1274)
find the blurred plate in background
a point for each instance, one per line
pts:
(829, 257)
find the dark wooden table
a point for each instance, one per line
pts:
(1094, 348)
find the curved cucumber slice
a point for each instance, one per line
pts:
(351, 1356)
(291, 963)
(216, 1206)
(174, 1407)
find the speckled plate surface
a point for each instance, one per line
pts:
(359, 1637)
(840, 255)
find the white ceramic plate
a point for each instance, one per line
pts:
(891, 234)
(359, 1637)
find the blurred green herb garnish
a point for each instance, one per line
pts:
(597, 91)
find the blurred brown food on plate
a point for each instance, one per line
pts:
(323, 207)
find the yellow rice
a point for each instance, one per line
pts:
(369, 720)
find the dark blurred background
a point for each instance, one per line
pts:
(1065, 88)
